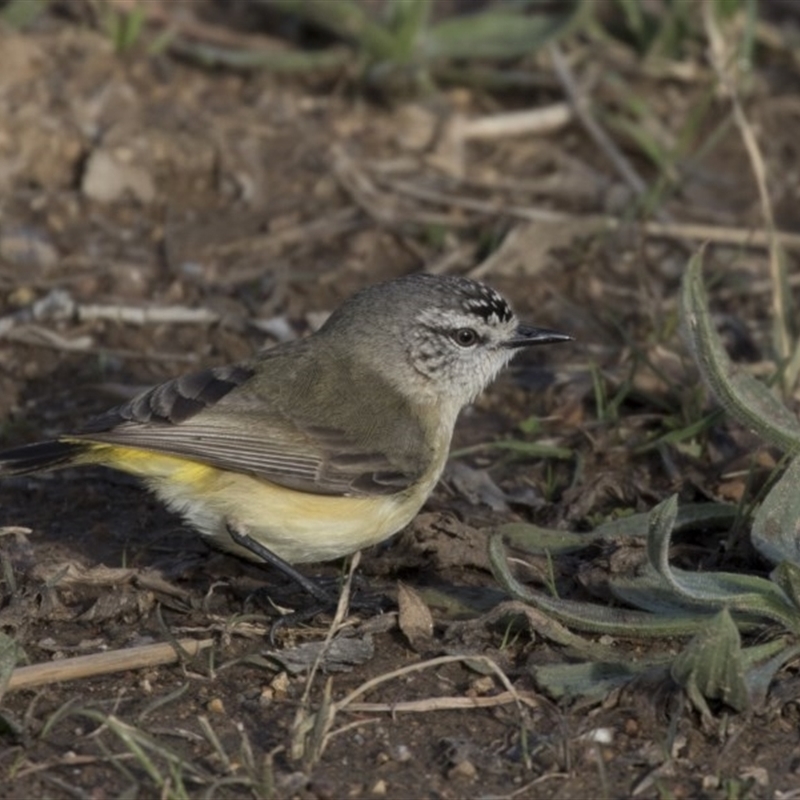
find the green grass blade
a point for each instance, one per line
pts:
(10, 653)
(347, 19)
(491, 34)
(20, 14)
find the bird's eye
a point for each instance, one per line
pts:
(465, 337)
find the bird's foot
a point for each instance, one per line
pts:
(325, 592)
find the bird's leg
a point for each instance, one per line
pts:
(325, 601)
(243, 539)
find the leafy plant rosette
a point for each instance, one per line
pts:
(405, 37)
(714, 608)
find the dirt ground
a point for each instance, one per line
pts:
(245, 207)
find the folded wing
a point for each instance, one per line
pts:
(223, 418)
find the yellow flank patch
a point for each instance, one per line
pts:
(147, 464)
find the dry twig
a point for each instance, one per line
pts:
(451, 150)
(599, 222)
(70, 669)
(514, 123)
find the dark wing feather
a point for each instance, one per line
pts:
(198, 417)
(175, 401)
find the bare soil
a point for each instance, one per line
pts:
(134, 182)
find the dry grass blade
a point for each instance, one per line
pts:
(37, 336)
(369, 685)
(70, 669)
(339, 617)
(382, 198)
(491, 208)
(721, 58)
(380, 205)
(599, 223)
(312, 732)
(340, 222)
(71, 760)
(309, 729)
(715, 234)
(581, 107)
(214, 741)
(444, 704)
(148, 751)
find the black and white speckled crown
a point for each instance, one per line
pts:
(398, 302)
(485, 302)
(463, 294)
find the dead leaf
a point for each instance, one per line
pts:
(415, 619)
(340, 655)
(476, 486)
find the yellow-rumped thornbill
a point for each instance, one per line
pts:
(315, 448)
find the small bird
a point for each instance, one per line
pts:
(316, 448)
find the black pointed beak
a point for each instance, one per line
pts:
(527, 335)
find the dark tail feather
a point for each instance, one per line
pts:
(38, 457)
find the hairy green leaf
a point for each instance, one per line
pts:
(688, 517)
(590, 616)
(776, 524)
(787, 576)
(540, 541)
(749, 594)
(537, 540)
(587, 679)
(742, 396)
(711, 666)
(760, 675)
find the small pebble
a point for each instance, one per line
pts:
(216, 706)
(598, 736)
(324, 790)
(401, 754)
(757, 774)
(25, 247)
(710, 782)
(464, 769)
(292, 783)
(481, 686)
(266, 696)
(280, 685)
(21, 296)
(379, 787)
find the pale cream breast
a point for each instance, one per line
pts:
(297, 526)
